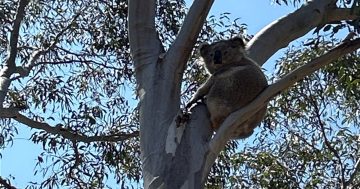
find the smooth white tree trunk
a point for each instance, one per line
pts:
(180, 155)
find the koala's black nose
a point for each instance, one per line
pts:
(217, 57)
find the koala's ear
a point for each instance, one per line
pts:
(238, 41)
(203, 48)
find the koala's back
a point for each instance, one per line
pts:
(234, 88)
(237, 86)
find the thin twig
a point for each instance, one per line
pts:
(328, 144)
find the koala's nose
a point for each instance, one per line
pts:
(217, 57)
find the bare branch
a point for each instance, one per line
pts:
(237, 118)
(281, 32)
(189, 32)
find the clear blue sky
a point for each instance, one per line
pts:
(19, 160)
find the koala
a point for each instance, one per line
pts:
(235, 80)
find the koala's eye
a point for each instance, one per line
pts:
(211, 54)
(225, 52)
(233, 46)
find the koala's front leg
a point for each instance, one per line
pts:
(201, 92)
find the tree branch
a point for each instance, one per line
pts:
(353, 174)
(10, 65)
(145, 45)
(189, 32)
(64, 132)
(328, 143)
(237, 118)
(281, 32)
(5, 184)
(338, 14)
(14, 38)
(4, 87)
(25, 70)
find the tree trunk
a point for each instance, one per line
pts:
(178, 153)
(172, 156)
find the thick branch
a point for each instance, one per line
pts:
(9, 112)
(281, 32)
(339, 14)
(144, 40)
(14, 38)
(237, 118)
(58, 130)
(10, 65)
(4, 87)
(189, 32)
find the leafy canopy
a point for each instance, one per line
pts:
(82, 82)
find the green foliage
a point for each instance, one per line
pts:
(85, 84)
(310, 136)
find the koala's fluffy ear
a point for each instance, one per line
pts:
(238, 41)
(203, 48)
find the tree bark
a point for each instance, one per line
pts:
(10, 65)
(178, 151)
(281, 32)
(166, 159)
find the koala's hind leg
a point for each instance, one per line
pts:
(247, 129)
(218, 113)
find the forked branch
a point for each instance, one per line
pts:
(189, 32)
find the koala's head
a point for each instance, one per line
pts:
(222, 53)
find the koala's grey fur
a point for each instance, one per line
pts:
(235, 80)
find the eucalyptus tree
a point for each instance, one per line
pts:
(71, 70)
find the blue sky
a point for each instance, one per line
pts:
(19, 160)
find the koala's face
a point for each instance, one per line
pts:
(221, 53)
